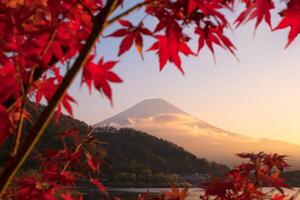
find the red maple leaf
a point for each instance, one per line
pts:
(99, 185)
(275, 181)
(208, 8)
(55, 50)
(68, 196)
(93, 5)
(168, 48)
(291, 16)
(259, 9)
(67, 99)
(9, 86)
(91, 162)
(176, 193)
(66, 178)
(100, 75)
(278, 197)
(46, 87)
(131, 34)
(211, 35)
(31, 187)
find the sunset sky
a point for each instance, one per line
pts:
(258, 96)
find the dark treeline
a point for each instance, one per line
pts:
(129, 148)
(134, 157)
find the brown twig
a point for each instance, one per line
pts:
(78, 147)
(127, 12)
(17, 141)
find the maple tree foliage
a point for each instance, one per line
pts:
(100, 75)
(246, 180)
(45, 43)
(131, 34)
(60, 168)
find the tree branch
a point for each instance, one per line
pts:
(130, 10)
(36, 132)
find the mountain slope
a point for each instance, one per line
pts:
(129, 149)
(198, 137)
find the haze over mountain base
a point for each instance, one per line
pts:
(164, 120)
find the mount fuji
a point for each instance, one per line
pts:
(164, 120)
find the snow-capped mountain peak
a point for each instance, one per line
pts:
(144, 109)
(164, 120)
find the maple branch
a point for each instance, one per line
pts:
(21, 118)
(15, 163)
(130, 10)
(66, 165)
(25, 90)
(78, 147)
(19, 131)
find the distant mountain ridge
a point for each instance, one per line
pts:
(164, 120)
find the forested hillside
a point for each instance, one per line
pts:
(51, 139)
(135, 156)
(131, 156)
(128, 147)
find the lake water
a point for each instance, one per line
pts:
(194, 193)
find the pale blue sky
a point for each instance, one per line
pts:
(258, 96)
